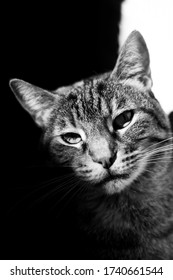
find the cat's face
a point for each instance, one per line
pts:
(101, 127)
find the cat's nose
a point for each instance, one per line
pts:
(103, 151)
(106, 162)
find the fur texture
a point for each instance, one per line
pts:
(112, 132)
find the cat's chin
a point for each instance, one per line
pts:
(110, 182)
(114, 186)
(117, 183)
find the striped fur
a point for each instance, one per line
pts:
(119, 167)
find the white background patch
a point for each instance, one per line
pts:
(154, 20)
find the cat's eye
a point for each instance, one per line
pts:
(71, 138)
(123, 120)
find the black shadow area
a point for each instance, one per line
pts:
(49, 45)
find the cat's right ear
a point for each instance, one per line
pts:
(133, 63)
(38, 102)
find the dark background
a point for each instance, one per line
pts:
(50, 45)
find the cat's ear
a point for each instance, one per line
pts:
(133, 63)
(38, 102)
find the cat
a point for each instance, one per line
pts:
(111, 131)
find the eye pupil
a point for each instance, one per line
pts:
(71, 138)
(122, 120)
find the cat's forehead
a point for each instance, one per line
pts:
(93, 103)
(89, 99)
(98, 96)
(94, 100)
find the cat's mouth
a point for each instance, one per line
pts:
(113, 176)
(115, 183)
(113, 179)
(110, 174)
(117, 180)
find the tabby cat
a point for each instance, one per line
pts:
(113, 134)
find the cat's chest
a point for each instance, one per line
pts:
(121, 222)
(112, 218)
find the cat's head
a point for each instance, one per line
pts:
(101, 126)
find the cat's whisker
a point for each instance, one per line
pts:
(77, 191)
(156, 160)
(160, 160)
(158, 153)
(159, 150)
(51, 181)
(156, 157)
(156, 148)
(56, 189)
(55, 179)
(65, 179)
(37, 188)
(148, 157)
(160, 142)
(150, 171)
(72, 188)
(64, 183)
(162, 147)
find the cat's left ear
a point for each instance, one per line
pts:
(36, 101)
(133, 63)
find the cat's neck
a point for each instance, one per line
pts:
(145, 205)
